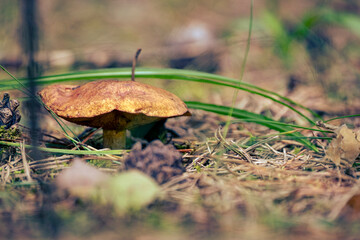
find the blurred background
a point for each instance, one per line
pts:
(307, 50)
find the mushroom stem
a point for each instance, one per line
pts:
(114, 139)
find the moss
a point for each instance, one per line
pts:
(12, 133)
(9, 134)
(101, 163)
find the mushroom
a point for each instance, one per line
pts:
(112, 105)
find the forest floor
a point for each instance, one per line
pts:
(251, 184)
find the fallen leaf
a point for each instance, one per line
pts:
(344, 149)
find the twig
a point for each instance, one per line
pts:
(260, 143)
(237, 150)
(5, 177)
(294, 158)
(25, 163)
(134, 64)
(285, 155)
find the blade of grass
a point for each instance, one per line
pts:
(341, 117)
(255, 118)
(175, 74)
(242, 70)
(24, 89)
(283, 124)
(67, 151)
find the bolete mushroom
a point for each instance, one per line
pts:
(112, 105)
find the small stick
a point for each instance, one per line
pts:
(25, 163)
(134, 64)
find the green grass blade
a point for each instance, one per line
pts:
(341, 117)
(284, 124)
(22, 87)
(255, 118)
(175, 74)
(242, 71)
(67, 151)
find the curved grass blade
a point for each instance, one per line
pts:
(67, 151)
(24, 89)
(242, 70)
(255, 118)
(284, 124)
(176, 74)
(341, 117)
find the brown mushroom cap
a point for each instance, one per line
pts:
(112, 104)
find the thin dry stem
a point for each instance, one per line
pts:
(134, 64)
(25, 163)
